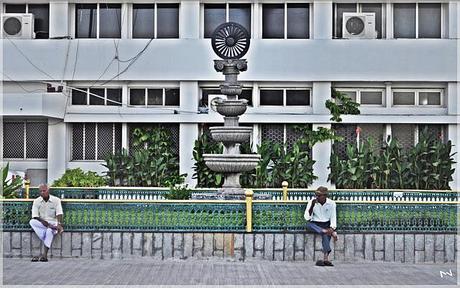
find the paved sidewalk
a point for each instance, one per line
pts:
(217, 272)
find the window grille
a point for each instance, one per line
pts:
(374, 132)
(95, 141)
(405, 133)
(171, 127)
(348, 132)
(281, 133)
(25, 140)
(37, 140)
(437, 130)
(273, 132)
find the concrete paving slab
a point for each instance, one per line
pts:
(220, 272)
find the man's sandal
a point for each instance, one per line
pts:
(320, 263)
(35, 259)
(43, 259)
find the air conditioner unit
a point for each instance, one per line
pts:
(359, 26)
(18, 26)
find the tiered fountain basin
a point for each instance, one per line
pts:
(233, 163)
(231, 134)
(231, 108)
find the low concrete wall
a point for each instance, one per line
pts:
(409, 247)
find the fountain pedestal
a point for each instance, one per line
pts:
(231, 41)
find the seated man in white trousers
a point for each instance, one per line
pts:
(46, 219)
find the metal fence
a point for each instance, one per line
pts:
(124, 193)
(231, 216)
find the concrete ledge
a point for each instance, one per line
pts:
(351, 247)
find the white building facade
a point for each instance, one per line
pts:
(125, 64)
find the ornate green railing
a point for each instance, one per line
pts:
(362, 217)
(230, 216)
(367, 195)
(151, 216)
(123, 193)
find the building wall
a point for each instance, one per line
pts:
(319, 63)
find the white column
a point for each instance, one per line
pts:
(188, 133)
(321, 151)
(189, 23)
(454, 19)
(321, 93)
(321, 154)
(454, 132)
(322, 20)
(57, 149)
(59, 12)
(452, 102)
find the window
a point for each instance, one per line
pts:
(41, 16)
(417, 20)
(96, 96)
(418, 97)
(435, 130)
(281, 133)
(286, 21)
(216, 14)
(365, 96)
(95, 141)
(340, 8)
(154, 96)
(368, 131)
(155, 20)
(25, 140)
(172, 128)
(98, 20)
(284, 97)
(404, 133)
(245, 94)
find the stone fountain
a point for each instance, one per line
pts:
(230, 41)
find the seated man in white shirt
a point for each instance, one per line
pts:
(46, 219)
(321, 217)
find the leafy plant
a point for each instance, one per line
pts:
(10, 186)
(205, 177)
(78, 178)
(151, 162)
(341, 104)
(427, 165)
(179, 192)
(280, 163)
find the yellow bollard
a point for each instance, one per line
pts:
(285, 191)
(27, 184)
(249, 193)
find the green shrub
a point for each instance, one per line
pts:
(151, 163)
(78, 178)
(205, 176)
(10, 186)
(428, 165)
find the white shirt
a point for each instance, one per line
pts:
(322, 213)
(47, 210)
